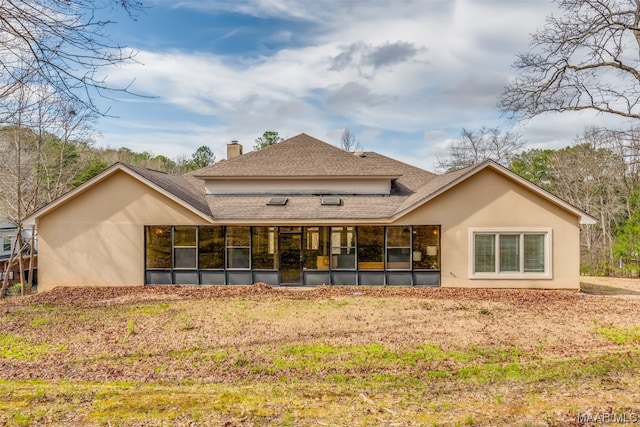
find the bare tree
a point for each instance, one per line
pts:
(349, 141)
(585, 59)
(477, 146)
(36, 165)
(61, 44)
(591, 178)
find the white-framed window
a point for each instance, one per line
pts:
(6, 244)
(501, 253)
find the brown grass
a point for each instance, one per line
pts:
(329, 356)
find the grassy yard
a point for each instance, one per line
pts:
(331, 356)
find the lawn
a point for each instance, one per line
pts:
(329, 356)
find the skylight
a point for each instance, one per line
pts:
(277, 201)
(331, 201)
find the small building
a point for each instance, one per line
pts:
(304, 212)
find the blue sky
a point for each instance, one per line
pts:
(404, 76)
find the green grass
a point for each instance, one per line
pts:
(342, 399)
(620, 335)
(15, 347)
(148, 309)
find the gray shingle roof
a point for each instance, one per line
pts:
(304, 156)
(300, 156)
(182, 187)
(302, 208)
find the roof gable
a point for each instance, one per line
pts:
(444, 182)
(176, 187)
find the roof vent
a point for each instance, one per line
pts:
(331, 201)
(277, 201)
(359, 154)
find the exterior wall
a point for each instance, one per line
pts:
(299, 186)
(491, 200)
(97, 238)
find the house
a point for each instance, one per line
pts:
(8, 232)
(304, 212)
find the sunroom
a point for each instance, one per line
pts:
(370, 255)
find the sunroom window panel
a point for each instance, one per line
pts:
(211, 242)
(509, 253)
(158, 246)
(238, 236)
(370, 248)
(238, 247)
(263, 248)
(238, 258)
(426, 247)
(534, 253)
(485, 253)
(184, 236)
(398, 237)
(316, 245)
(398, 248)
(343, 247)
(184, 257)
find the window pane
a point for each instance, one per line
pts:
(6, 244)
(343, 247)
(316, 248)
(509, 253)
(238, 257)
(398, 247)
(485, 256)
(398, 258)
(343, 259)
(426, 247)
(371, 248)
(263, 248)
(238, 236)
(211, 241)
(343, 236)
(398, 236)
(184, 236)
(184, 257)
(158, 246)
(534, 253)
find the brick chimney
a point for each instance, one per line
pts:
(234, 150)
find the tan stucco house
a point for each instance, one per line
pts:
(303, 212)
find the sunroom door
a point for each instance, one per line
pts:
(290, 258)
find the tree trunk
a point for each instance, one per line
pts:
(31, 255)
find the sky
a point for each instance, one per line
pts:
(405, 76)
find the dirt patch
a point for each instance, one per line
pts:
(610, 286)
(144, 329)
(108, 296)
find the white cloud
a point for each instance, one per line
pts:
(417, 67)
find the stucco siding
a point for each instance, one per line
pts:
(490, 200)
(97, 238)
